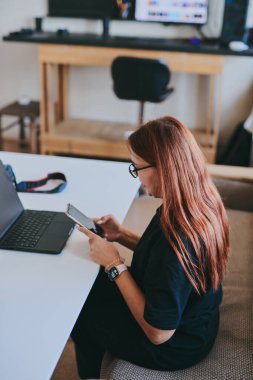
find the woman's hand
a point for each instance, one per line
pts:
(113, 231)
(110, 226)
(101, 251)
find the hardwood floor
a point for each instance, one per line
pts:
(66, 368)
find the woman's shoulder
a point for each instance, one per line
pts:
(160, 242)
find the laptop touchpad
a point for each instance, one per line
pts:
(52, 237)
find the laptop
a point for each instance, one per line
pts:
(29, 230)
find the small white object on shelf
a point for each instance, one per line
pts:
(24, 100)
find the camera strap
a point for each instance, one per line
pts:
(52, 183)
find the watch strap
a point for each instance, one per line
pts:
(121, 268)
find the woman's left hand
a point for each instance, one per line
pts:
(101, 251)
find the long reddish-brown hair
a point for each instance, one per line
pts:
(191, 203)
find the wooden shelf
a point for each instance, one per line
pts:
(104, 139)
(205, 139)
(88, 138)
(207, 142)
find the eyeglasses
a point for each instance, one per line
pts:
(133, 170)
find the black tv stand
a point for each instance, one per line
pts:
(106, 27)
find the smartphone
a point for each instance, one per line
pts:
(83, 220)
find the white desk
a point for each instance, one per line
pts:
(42, 295)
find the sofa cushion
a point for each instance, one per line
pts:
(237, 195)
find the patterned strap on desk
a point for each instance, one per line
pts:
(52, 183)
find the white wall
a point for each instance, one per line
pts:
(91, 93)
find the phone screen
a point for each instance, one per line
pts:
(82, 219)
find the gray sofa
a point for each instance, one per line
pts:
(232, 355)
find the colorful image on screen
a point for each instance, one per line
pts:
(185, 12)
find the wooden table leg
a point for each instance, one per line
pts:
(63, 90)
(214, 112)
(22, 132)
(210, 107)
(44, 98)
(218, 104)
(33, 137)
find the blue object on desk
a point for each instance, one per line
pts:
(195, 41)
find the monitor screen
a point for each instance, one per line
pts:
(172, 11)
(93, 9)
(105, 10)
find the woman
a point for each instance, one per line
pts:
(163, 312)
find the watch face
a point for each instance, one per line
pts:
(113, 273)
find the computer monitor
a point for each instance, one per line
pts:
(163, 11)
(88, 9)
(172, 11)
(105, 10)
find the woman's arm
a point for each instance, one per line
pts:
(128, 238)
(135, 300)
(113, 231)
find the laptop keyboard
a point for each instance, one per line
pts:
(28, 229)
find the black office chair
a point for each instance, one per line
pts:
(141, 79)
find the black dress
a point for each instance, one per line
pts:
(106, 324)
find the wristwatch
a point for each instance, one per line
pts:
(114, 272)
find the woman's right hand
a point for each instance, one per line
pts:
(110, 227)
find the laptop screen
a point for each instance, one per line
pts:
(10, 204)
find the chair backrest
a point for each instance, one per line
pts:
(140, 79)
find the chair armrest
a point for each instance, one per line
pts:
(235, 185)
(231, 172)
